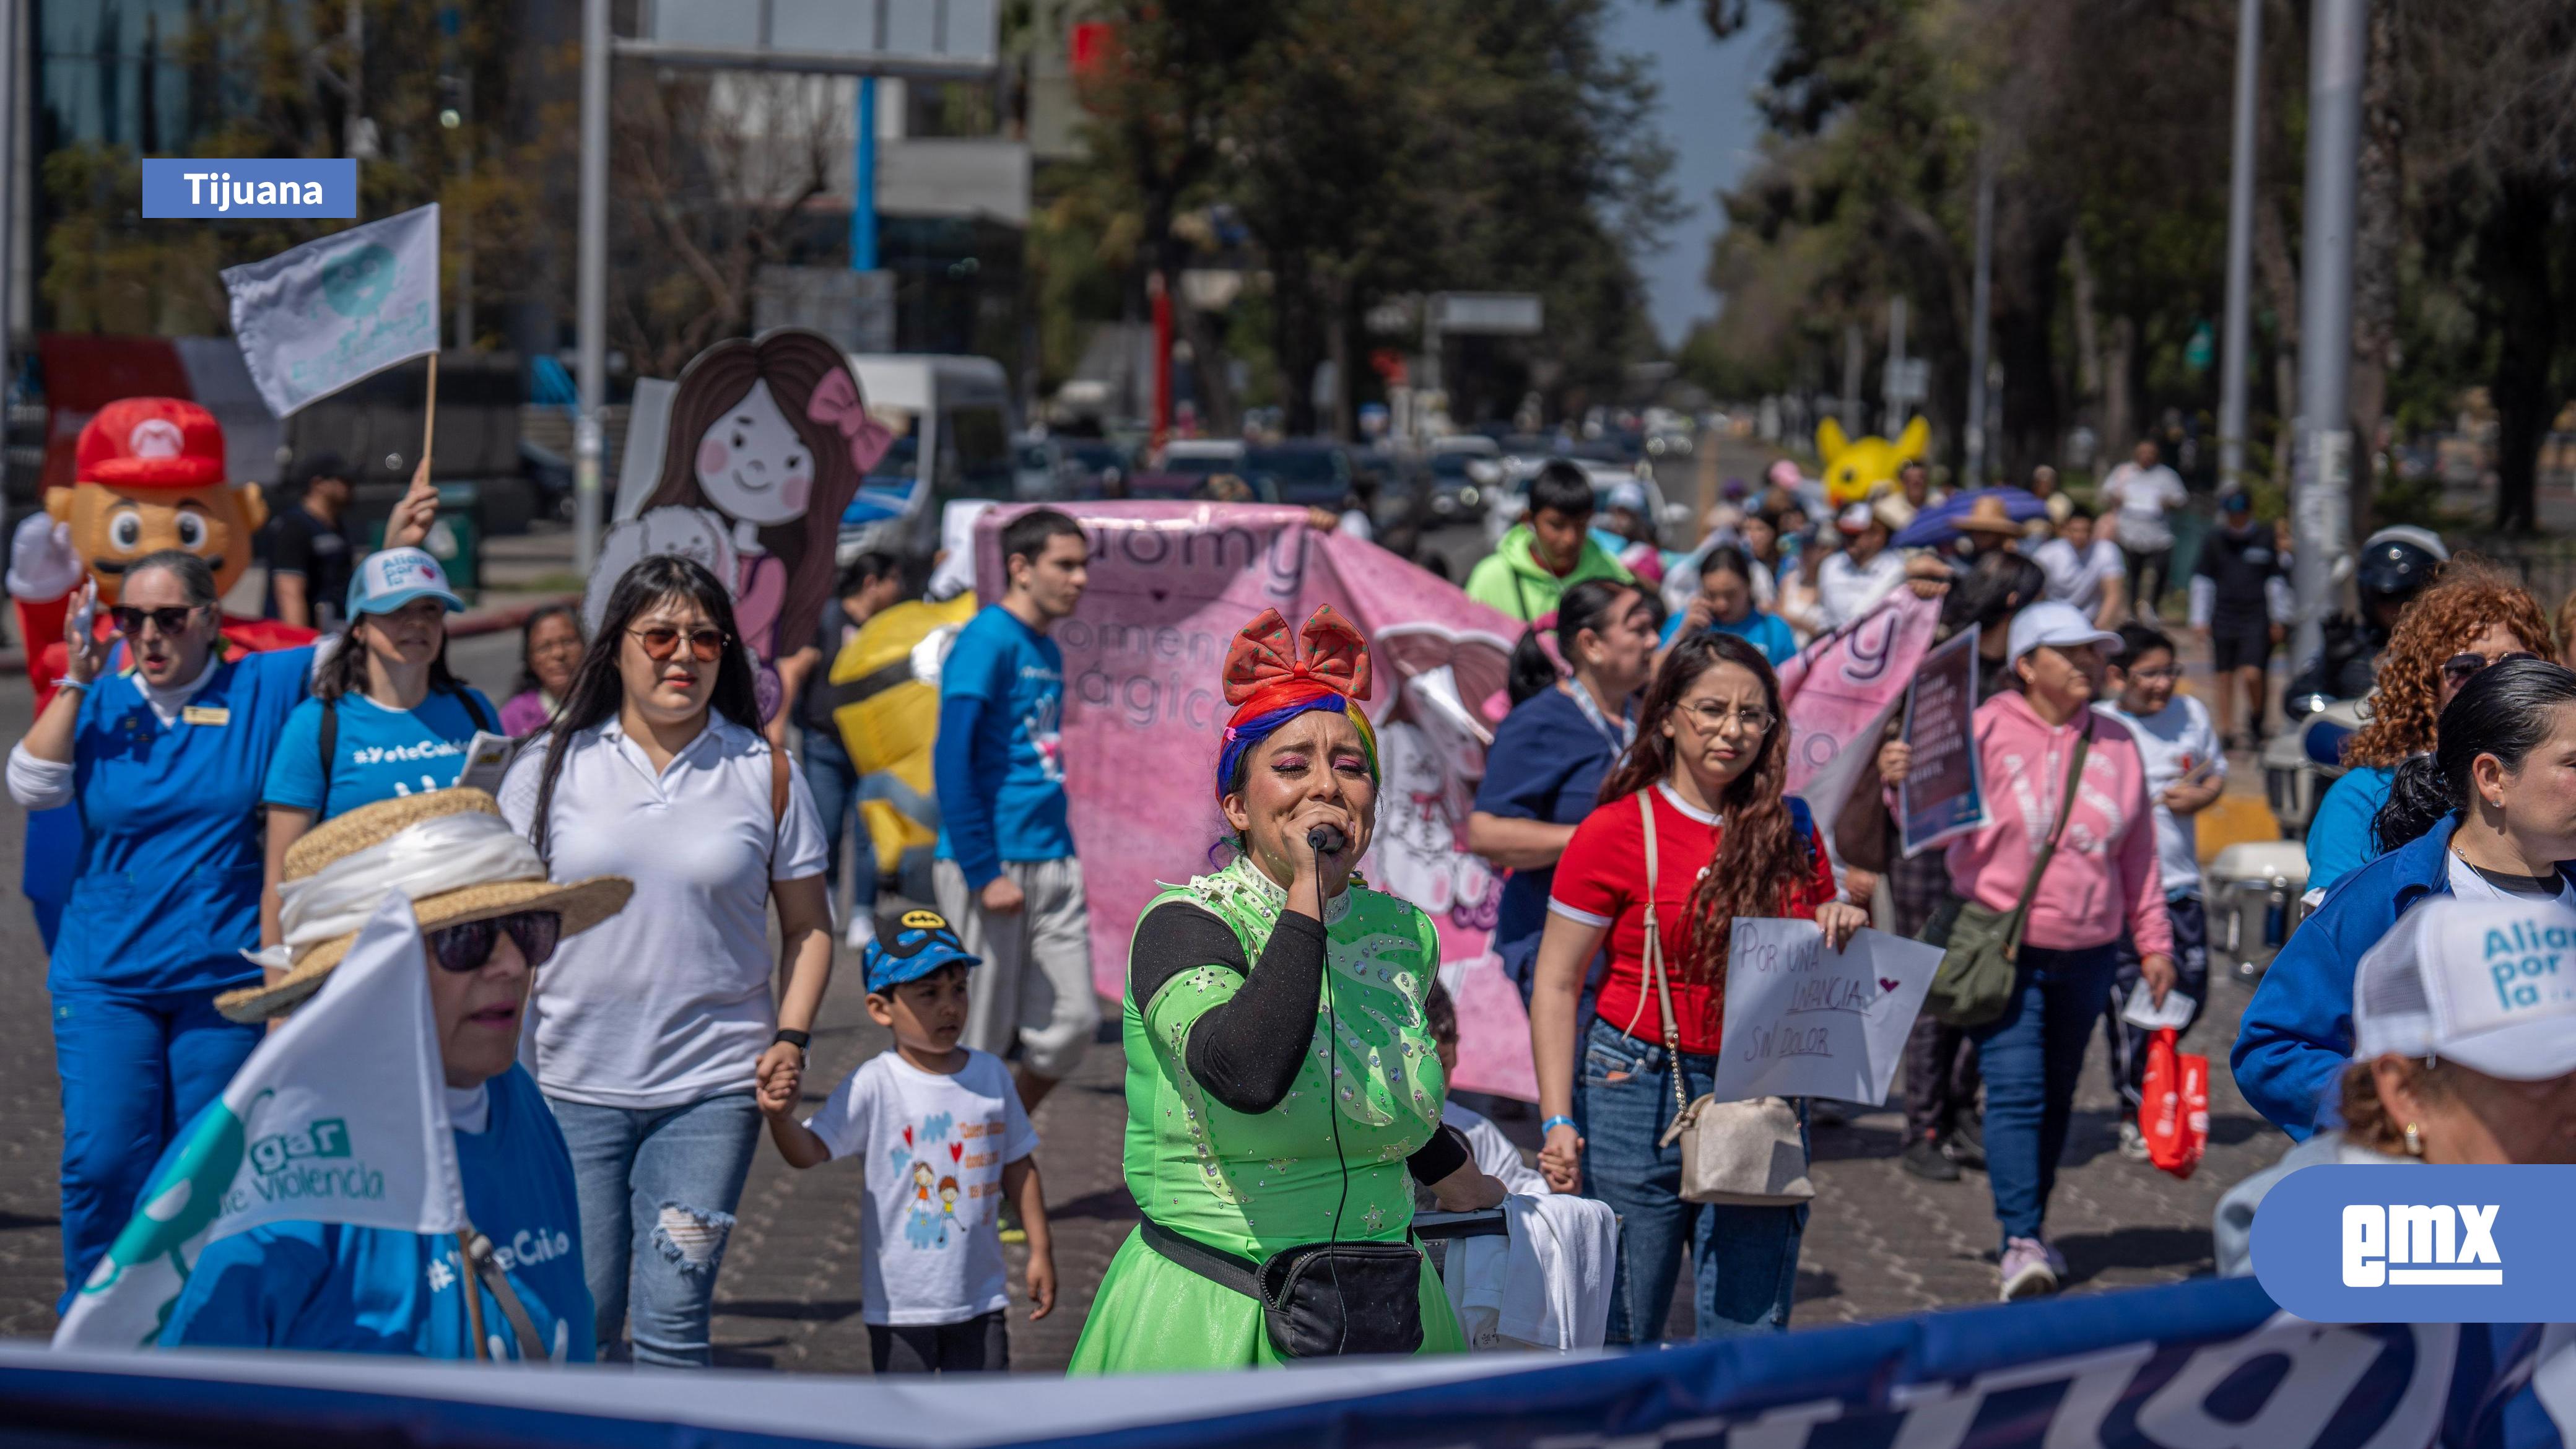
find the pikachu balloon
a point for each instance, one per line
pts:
(1855, 466)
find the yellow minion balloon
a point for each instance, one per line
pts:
(1854, 466)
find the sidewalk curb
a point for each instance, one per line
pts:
(495, 621)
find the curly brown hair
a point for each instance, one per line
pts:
(1759, 857)
(2471, 598)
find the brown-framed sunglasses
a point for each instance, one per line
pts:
(662, 641)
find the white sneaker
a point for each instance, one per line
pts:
(2133, 1143)
(863, 930)
(2027, 1271)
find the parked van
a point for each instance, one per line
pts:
(954, 411)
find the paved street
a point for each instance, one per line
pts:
(1879, 1241)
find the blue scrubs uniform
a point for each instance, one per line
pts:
(335, 1288)
(164, 898)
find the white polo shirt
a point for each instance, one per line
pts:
(667, 1002)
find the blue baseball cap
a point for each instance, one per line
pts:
(387, 580)
(2238, 502)
(922, 942)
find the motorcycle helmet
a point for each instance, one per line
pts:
(2394, 566)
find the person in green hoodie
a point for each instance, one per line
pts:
(1539, 560)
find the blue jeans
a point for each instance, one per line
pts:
(835, 783)
(2032, 1055)
(136, 1067)
(1744, 1260)
(658, 1190)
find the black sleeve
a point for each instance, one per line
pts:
(291, 552)
(1247, 1051)
(1444, 1154)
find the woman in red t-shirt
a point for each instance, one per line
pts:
(1711, 755)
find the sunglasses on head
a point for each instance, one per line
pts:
(2460, 668)
(662, 641)
(466, 946)
(129, 619)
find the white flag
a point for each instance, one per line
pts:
(338, 1117)
(316, 318)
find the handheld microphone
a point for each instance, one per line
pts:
(1327, 840)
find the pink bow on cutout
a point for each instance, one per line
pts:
(836, 401)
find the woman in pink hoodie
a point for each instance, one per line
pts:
(2101, 879)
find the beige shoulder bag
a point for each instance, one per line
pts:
(1749, 1154)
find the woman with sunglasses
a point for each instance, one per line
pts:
(1705, 775)
(164, 760)
(2504, 775)
(386, 718)
(653, 1032)
(487, 919)
(2472, 617)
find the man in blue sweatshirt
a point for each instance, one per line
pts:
(1006, 874)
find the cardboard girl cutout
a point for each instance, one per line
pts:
(768, 441)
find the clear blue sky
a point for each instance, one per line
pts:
(1707, 116)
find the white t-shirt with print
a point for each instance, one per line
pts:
(2145, 494)
(932, 1150)
(2173, 742)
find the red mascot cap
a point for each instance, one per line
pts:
(152, 442)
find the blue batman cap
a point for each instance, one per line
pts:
(923, 942)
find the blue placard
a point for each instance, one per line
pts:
(228, 190)
(2356, 1244)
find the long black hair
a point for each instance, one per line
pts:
(1998, 585)
(599, 685)
(2506, 710)
(1588, 605)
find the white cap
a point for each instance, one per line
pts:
(386, 581)
(2054, 623)
(1630, 495)
(2488, 984)
(1853, 519)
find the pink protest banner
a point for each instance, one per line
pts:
(1840, 690)
(1144, 715)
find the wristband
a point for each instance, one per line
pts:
(1549, 1125)
(796, 1039)
(67, 682)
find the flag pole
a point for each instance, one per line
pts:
(429, 415)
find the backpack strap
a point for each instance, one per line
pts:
(777, 802)
(329, 740)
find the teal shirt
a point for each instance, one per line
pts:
(1766, 632)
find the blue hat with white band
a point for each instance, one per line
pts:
(387, 580)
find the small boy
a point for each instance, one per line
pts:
(2186, 773)
(1496, 1157)
(941, 1139)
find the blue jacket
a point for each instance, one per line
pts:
(2339, 838)
(2296, 1034)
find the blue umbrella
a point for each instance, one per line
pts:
(1939, 523)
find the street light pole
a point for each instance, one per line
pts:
(2233, 332)
(590, 290)
(1980, 302)
(2321, 500)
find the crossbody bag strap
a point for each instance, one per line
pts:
(1655, 958)
(2048, 847)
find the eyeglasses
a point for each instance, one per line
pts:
(662, 641)
(569, 645)
(467, 946)
(2461, 668)
(130, 620)
(1712, 717)
(2168, 673)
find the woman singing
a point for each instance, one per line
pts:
(1283, 1087)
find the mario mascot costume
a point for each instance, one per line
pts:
(149, 476)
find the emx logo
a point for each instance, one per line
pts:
(2350, 1243)
(2438, 1244)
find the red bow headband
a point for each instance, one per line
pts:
(1262, 657)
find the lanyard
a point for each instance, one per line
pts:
(1620, 738)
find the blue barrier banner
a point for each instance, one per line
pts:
(2436, 1245)
(229, 190)
(2210, 1364)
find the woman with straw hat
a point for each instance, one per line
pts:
(488, 919)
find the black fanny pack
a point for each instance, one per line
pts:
(1318, 1300)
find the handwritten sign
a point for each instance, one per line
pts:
(1802, 1021)
(1944, 791)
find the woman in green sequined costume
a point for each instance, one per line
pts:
(1282, 1085)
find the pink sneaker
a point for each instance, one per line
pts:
(2029, 1269)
